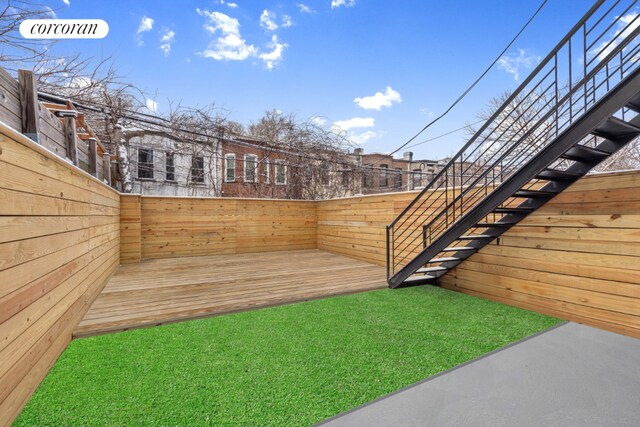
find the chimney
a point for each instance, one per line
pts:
(408, 156)
(358, 151)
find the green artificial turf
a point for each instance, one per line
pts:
(290, 365)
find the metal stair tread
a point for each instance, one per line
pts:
(513, 210)
(533, 193)
(431, 269)
(582, 152)
(444, 259)
(634, 105)
(423, 278)
(614, 127)
(494, 224)
(459, 248)
(557, 175)
(475, 237)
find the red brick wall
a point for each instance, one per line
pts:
(260, 188)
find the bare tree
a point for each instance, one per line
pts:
(523, 120)
(522, 127)
(200, 131)
(15, 50)
(319, 166)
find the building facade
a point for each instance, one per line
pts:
(165, 166)
(246, 167)
(382, 173)
(253, 169)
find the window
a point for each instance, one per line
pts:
(417, 178)
(197, 169)
(384, 181)
(398, 183)
(308, 175)
(267, 173)
(250, 168)
(230, 168)
(367, 179)
(346, 175)
(281, 173)
(169, 168)
(145, 163)
(324, 176)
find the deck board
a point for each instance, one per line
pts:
(161, 291)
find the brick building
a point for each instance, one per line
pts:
(382, 173)
(252, 168)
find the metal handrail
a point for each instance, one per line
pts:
(495, 152)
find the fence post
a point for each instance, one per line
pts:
(69, 129)
(106, 167)
(93, 156)
(29, 105)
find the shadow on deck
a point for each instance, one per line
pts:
(161, 291)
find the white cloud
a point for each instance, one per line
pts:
(512, 64)
(319, 121)
(152, 105)
(229, 45)
(146, 24)
(425, 111)
(347, 127)
(304, 8)
(67, 2)
(379, 100)
(626, 25)
(345, 3)
(271, 59)
(229, 4)
(50, 12)
(356, 122)
(267, 20)
(166, 41)
(362, 138)
(286, 21)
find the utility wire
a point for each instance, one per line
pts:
(103, 108)
(466, 92)
(445, 134)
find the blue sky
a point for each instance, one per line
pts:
(380, 69)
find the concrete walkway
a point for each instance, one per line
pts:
(572, 375)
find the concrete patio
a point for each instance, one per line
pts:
(570, 375)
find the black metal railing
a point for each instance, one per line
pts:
(597, 53)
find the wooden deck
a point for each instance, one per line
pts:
(167, 290)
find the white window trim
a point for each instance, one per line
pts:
(227, 158)
(153, 165)
(275, 172)
(267, 172)
(255, 168)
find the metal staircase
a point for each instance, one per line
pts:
(576, 109)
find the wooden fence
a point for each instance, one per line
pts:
(21, 111)
(164, 227)
(59, 244)
(577, 258)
